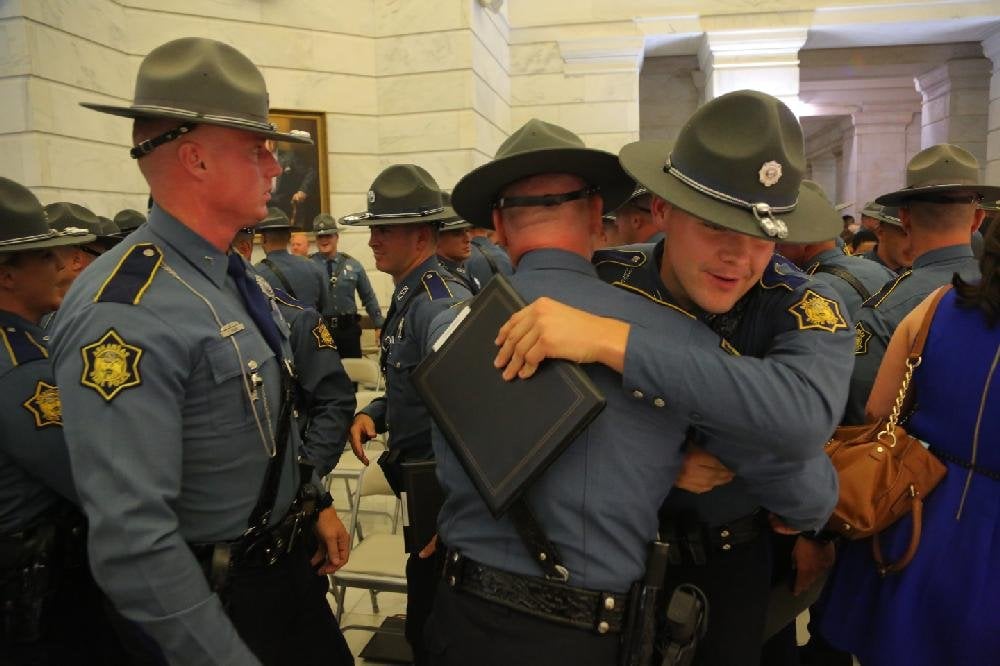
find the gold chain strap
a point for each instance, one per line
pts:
(890, 425)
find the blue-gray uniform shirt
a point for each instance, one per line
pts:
(487, 259)
(417, 299)
(345, 275)
(880, 315)
(796, 363)
(34, 464)
(461, 273)
(326, 399)
(870, 274)
(306, 282)
(171, 398)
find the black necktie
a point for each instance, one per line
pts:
(256, 302)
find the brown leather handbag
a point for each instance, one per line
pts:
(884, 472)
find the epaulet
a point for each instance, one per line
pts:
(285, 298)
(653, 297)
(620, 256)
(435, 285)
(781, 272)
(21, 346)
(132, 276)
(347, 256)
(883, 293)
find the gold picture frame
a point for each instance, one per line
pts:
(304, 168)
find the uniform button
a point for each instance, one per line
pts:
(658, 402)
(455, 557)
(726, 546)
(609, 604)
(451, 581)
(603, 627)
(637, 394)
(252, 364)
(724, 534)
(148, 252)
(397, 364)
(542, 557)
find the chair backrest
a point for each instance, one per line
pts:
(365, 396)
(371, 483)
(363, 371)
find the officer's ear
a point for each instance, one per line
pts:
(905, 220)
(980, 216)
(190, 155)
(499, 233)
(660, 211)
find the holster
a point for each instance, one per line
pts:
(390, 461)
(639, 632)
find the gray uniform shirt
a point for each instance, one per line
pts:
(880, 315)
(34, 463)
(307, 281)
(170, 410)
(345, 275)
(870, 274)
(487, 259)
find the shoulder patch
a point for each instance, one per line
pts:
(883, 293)
(21, 346)
(782, 273)
(132, 276)
(861, 338)
(322, 336)
(819, 312)
(44, 405)
(435, 285)
(110, 365)
(728, 347)
(630, 258)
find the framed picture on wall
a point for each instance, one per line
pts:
(301, 190)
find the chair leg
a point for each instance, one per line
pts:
(350, 495)
(341, 591)
(373, 594)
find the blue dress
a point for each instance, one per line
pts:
(944, 608)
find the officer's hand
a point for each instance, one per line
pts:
(299, 197)
(362, 430)
(702, 471)
(779, 526)
(550, 329)
(429, 549)
(334, 542)
(810, 559)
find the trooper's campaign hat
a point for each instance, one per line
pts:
(941, 173)
(537, 148)
(128, 220)
(199, 82)
(23, 224)
(738, 163)
(325, 224)
(64, 215)
(402, 194)
(887, 214)
(455, 224)
(276, 219)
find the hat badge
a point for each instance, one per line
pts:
(770, 173)
(371, 196)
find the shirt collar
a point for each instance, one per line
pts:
(943, 254)
(826, 255)
(551, 258)
(412, 280)
(9, 319)
(185, 241)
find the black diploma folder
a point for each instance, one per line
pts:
(505, 433)
(421, 498)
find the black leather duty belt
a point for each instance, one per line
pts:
(600, 612)
(692, 540)
(342, 321)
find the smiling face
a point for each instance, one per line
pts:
(706, 265)
(399, 248)
(327, 244)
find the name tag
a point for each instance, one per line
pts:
(232, 328)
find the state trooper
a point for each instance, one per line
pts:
(486, 258)
(201, 524)
(938, 210)
(854, 279)
(50, 609)
(892, 248)
(345, 277)
(283, 270)
(454, 247)
(404, 208)
(75, 258)
(787, 342)
(634, 220)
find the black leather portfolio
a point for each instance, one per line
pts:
(505, 433)
(422, 498)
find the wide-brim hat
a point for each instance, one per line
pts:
(738, 163)
(23, 224)
(402, 194)
(276, 219)
(128, 220)
(939, 171)
(63, 215)
(454, 224)
(325, 224)
(536, 148)
(201, 81)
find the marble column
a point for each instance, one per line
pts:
(875, 153)
(991, 47)
(956, 105)
(765, 59)
(823, 170)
